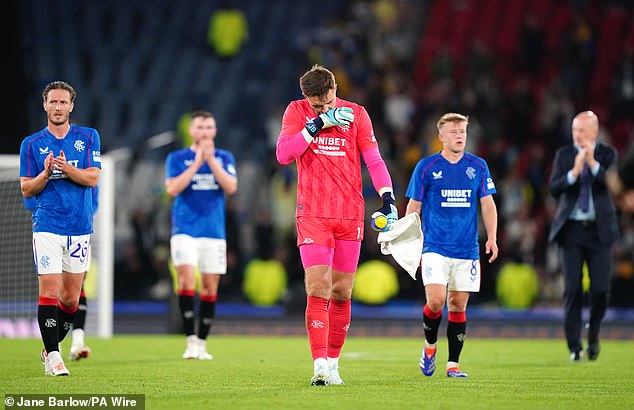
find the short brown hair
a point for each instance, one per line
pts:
(59, 85)
(202, 114)
(317, 81)
(451, 117)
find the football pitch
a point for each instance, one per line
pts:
(260, 372)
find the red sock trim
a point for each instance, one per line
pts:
(67, 309)
(82, 294)
(211, 298)
(339, 303)
(431, 314)
(182, 292)
(457, 317)
(44, 301)
(317, 301)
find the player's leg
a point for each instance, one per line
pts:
(49, 285)
(184, 255)
(600, 270)
(435, 270)
(456, 330)
(464, 277)
(316, 249)
(208, 296)
(78, 348)
(74, 263)
(186, 292)
(318, 282)
(47, 254)
(212, 264)
(344, 266)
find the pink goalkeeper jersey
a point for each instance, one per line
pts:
(329, 171)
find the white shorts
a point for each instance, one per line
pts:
(457, 274)
(209, 254)
(54, 253)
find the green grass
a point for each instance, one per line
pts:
(255, 372)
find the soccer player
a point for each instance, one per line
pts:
(78, 348)
(59, 165)
(447, 187)
(326, 136)
(198, 178)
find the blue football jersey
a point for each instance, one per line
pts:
(30, 203)
(450, 194)
(63, 207)
(199, 211)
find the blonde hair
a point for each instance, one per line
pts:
(451, 117)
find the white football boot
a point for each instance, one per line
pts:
(333, 372)
(191, 352)
(202, 350)
(321, 376)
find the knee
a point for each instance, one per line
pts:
(318, 289)
(435, 303)
(208, 291)
(69, 299)
(341, 295)
(185, 282)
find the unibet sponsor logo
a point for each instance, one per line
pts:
(330, 146)
(456, 198)
(204, 182)
(58, 174)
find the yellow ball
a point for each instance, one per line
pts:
(379, 222)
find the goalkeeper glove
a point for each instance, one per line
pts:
(385, 216)
(332, 117)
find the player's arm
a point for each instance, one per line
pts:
(379, 174)
(31, 186)
(228, 182)
(382, 183)
(176, 185)
(82, 176)
(413, 207)
(490, 219)
(292, 143)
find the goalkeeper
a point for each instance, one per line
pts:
(324, 135)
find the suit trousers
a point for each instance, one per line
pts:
(579, 243)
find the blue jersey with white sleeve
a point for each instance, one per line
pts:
(450, 194)
(199, 210)
(63, 207)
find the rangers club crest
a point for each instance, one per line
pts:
(80, 145)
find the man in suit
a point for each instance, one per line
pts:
(585, 227)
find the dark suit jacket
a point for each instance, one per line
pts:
(567, 195)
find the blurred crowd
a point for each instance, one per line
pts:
(520, 111)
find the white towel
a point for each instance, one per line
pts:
(404, 241)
